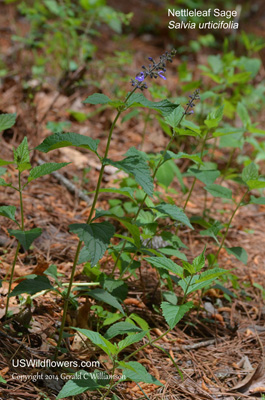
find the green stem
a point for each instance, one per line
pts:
(147, 344)
(11, 278)
(18, 245)
(67, 297)
(228, 226)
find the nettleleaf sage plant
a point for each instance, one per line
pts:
(96, 236)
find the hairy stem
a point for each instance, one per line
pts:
(18, 245)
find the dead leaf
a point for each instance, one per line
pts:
(253, 380)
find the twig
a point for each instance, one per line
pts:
(69, 185)
(5, 335)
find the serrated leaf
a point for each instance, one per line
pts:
(256, 184)
(4, 183)
(21, 155)
(96, 238)
(193, 157)
(250, 172)
(191, 126)
(239, 253)
(58, 140)
(32, 285)
(166, 263)
(206, 176)
(139, 100)
(134, 231)
(137, 166)
(97, 98)
(173, 119)
(214, 117)
(98, 340)
(199, 262)
(8, 212)
(124, 191)
(243, 114)
(257, 200)
(120, 328)
(7, 121)
(173, 314)
(45, 169)
(129, 340)
(136, 372)
(174, 213)
(26, 238)
(106, 297)
(81, 382)
(4, 162)
(219, 191)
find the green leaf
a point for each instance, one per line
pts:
(173, 119)
(210, 275)
(81, 382)
(103, 295)
(256, 184)
(21, 156)
(250, 172)
(120, 328)
(137, 166)
(139, 100)
(33, 284)
(7, 121)
(124, 191)
(142, 323)
(174, 213)
(239, 253)
(166, 263)
(96, 237)
(206, 176)
(2, 380)
(130, 340)
(257, 200)
(134, 231)
(199, 262)
(4, 183)
(191, 126)
(58, 140)
(8, 212)
(45, 169)
(193, 157)
(243, 114)
(98, 340)
(136, 372)
(242, 77)
(97, 98)
(214, 117)
(166, 173)
(219, 191)
(169, 251)
(4, 162)
(26, 238)
(173, 314)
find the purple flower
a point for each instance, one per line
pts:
(140, 77)
(160, 73)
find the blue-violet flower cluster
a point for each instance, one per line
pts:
(154, 70)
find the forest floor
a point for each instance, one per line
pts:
(220, 349)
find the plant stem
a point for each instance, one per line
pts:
(147, 344)
(228, 226)
(68, 293)
(18, 245)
